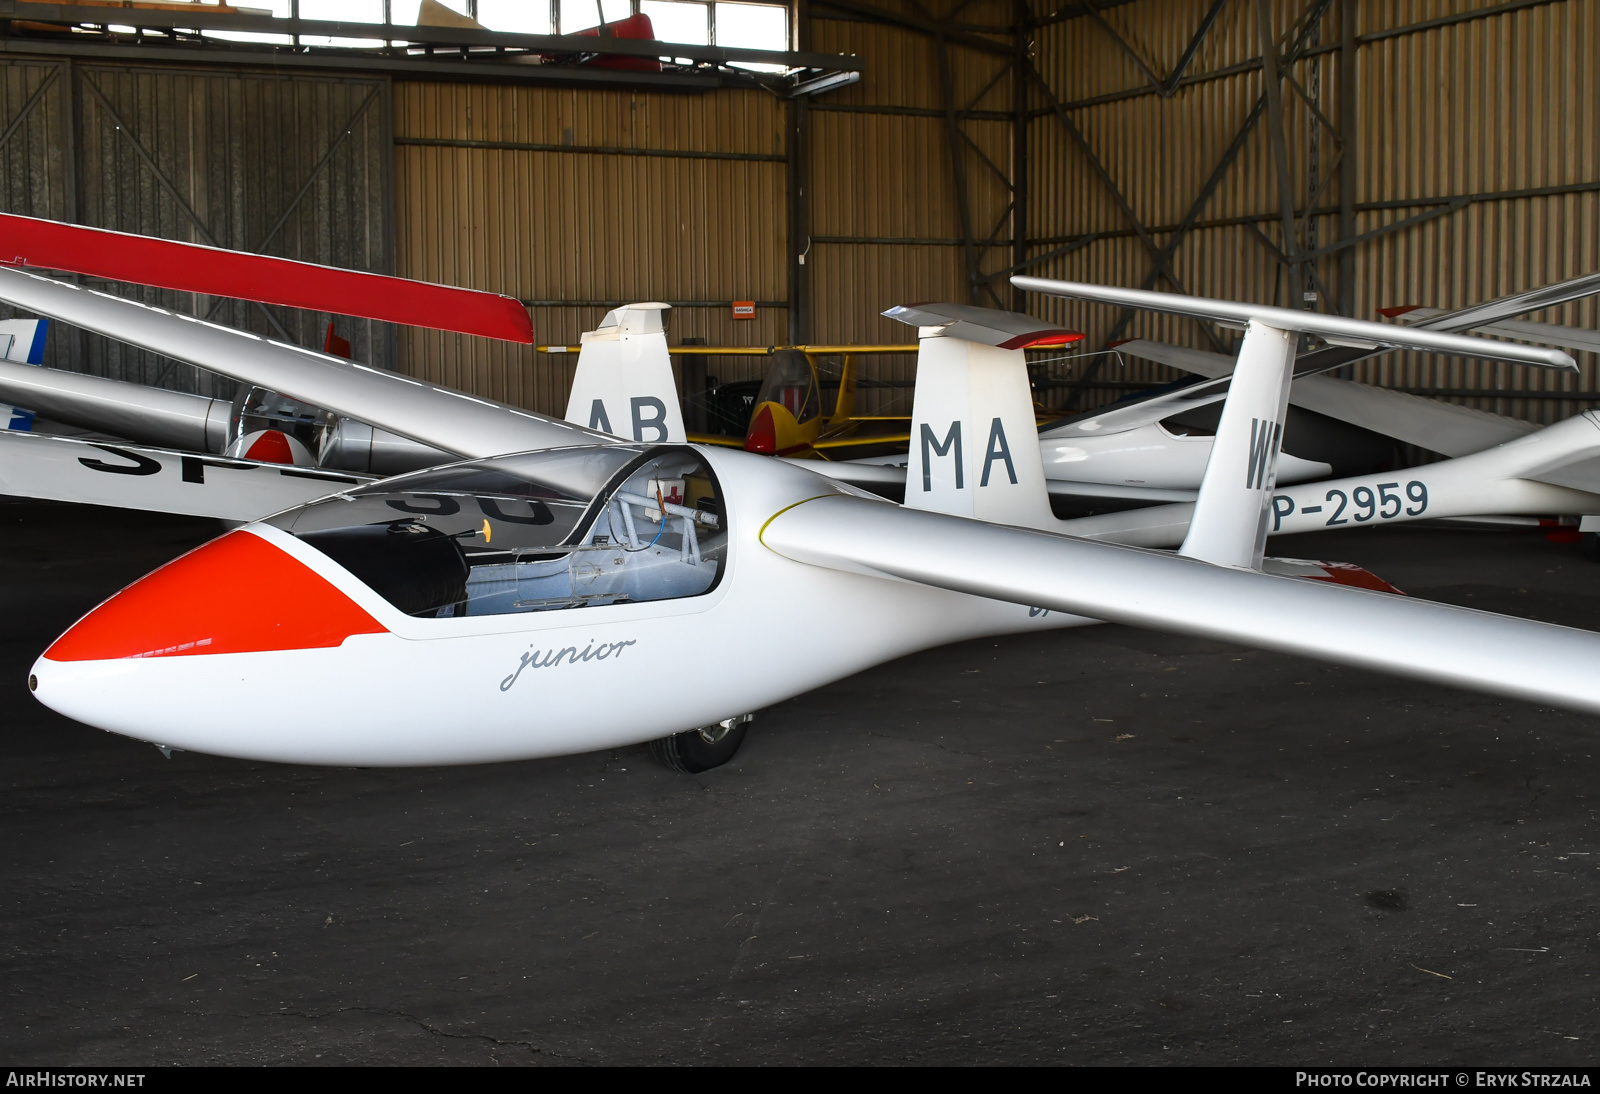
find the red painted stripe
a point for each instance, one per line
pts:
(1045, 336)
(1041, 341)
(236, 594)
(189, 267)
(1348, 573)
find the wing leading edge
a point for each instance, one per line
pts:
(190, 267)
(1459, 647)
(449, 420)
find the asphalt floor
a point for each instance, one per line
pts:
(1096, 846)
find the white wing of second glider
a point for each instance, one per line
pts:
(1439, 427)
(1459, 647)
(446, 419)
(1551, 333)
(125, 476)
(1134, 413)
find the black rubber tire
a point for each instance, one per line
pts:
(1589, 546)
(691, 753)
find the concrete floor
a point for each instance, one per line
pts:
(1095, 846)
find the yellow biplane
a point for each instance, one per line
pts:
(790, 417)
(787, 413)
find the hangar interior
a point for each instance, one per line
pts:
(1119, 844)
(1399, 152)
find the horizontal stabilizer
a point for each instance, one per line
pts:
(985, 326)
(1459, 647)
(1333, 327)
(450, 420)
(189, 267)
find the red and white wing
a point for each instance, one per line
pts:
(190, 267)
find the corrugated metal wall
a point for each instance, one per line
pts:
(291, 166)
(885, 224)
(35, 166)
(1488, 108)
(575, 201)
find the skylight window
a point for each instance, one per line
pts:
(679, 22)
(344, 11)
(514, 16)
(579, 15)
(752, 26)
(692, 22)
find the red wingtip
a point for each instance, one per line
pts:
(1348, 573)
(237, 594)
(1390, 313)
(334, 346)
(188, 267)
(1057, 338)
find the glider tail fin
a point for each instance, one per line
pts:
(623, 384)
(974, 439)
(23, 340)
(1229, 526)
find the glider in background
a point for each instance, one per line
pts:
(1553, 470)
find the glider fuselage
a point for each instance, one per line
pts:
(413, 691)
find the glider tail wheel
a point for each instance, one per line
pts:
(701, 749)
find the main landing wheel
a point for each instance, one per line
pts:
(701, 749)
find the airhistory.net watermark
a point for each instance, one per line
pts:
(56, 1079)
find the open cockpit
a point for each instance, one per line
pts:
(539, 531)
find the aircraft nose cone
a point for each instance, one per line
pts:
(762, 435)
(236, 594)
(142, 664)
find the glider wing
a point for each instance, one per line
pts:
(1459, 647)
(449, 420)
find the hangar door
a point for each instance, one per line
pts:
(293, 166)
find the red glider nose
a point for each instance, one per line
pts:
(236, 594)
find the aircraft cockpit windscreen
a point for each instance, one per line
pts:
(539, 531)
(792, 385)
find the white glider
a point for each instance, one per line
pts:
(533, 604)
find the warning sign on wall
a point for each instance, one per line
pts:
(744, 309)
